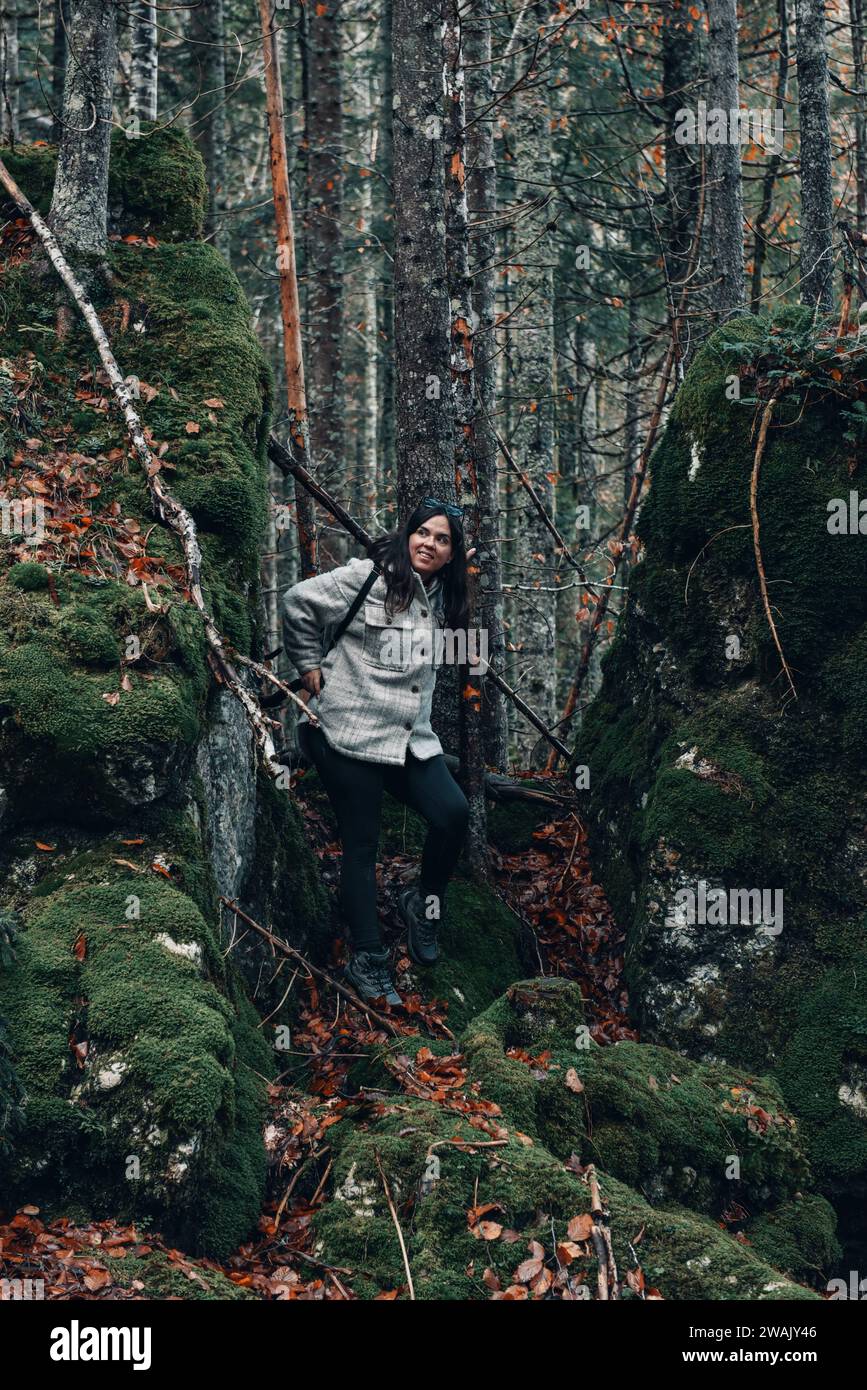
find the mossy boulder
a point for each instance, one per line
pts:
(156, 182)
(129, 797)
(726, 816)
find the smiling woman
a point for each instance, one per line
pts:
(371, 693)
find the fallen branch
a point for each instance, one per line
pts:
(314, 969)
(754, 513)
(167, 507)
(608, 1282)
(396, 1224)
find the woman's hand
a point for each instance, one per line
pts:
(312, 681)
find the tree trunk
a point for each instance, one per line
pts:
(9, 78)
(364, 98)
(816, 201)
(423, 414)
(725, 241)
(79, 207)
(856, 15)
(58, 67)
(465, 410)
(482, 195)
(680, 71)
(324, 266)
(773, 164)
(207, 30)
(145, 60)
(296, 395)
(532, 385)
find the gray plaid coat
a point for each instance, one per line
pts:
(378, 680)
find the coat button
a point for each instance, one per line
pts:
(408, 726)
(424, 612)
(415, 690)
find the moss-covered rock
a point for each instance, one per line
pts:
(707, 780)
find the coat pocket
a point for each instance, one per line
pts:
(387, 642)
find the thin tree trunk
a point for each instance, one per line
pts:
(816, 200)
(79, 207)
(9, 77)
(532, 330)
(465, 410)
(207, 30)
(482, 196)
(424, 417)
(145, 60)
(324, 267)
(773, 165)
(386, 438)
(856, 15)
(364, 100)
(296, 397)
(58, 67)
(680, 70)
(725, 242)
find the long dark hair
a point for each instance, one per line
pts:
(391, 554)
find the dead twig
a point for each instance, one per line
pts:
(391, 1208)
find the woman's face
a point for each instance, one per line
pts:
(430, 547)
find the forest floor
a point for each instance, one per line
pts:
(573, 935)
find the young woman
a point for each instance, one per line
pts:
(372, 697)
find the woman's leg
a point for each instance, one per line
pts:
(355, 791)
(427, 786)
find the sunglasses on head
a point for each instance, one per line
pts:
(448, 508)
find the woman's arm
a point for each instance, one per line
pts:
(316, 604)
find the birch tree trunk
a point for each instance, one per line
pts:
(725, 239)
(9, 102)
(79, 206)
(482, 200)
(145, 59)
(325, 251)
(423, 412)
(816, 200)
(207, 29)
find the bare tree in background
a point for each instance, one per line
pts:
(145, 59)
(424, 438)
(9, 102)
(207, 30)
(817, 261)
(724, 238)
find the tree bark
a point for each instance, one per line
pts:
(364, 103)
(145, 60)
(816, 201)
(773, 165)
(725, 243)
(324, 246)
(79, 206)
(680, 72)
(207, 30)
(58, 67)
(296, 395)
(9, 102)
(482, 197)
(465, 411)
(423, 413)
(856, 16)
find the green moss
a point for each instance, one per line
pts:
(28, 576)
(798, 1238)
(161, 1113)
(157, 183)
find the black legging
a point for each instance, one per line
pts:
(355, 790)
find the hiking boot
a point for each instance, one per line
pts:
(369, 973)
(421, 933)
